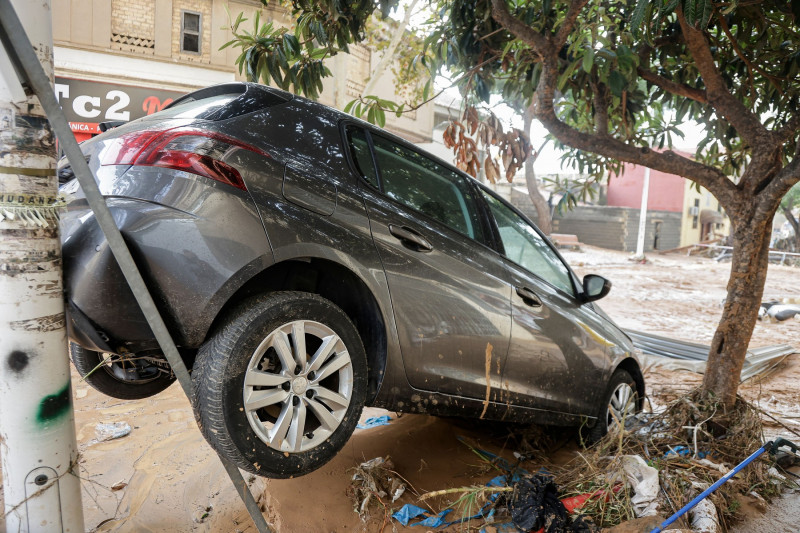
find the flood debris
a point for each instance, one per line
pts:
(201, 514)
(375, 486)
(375, 421)
(643, 479)
(535, 505)
(111, 431)
(675, 354)
(657, 467)
(648, 469)
(515, 500)
(779, 311)
(704, 517)
(566, 241)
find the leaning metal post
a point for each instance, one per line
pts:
(639, 255)
(21, 51)
(37, 423)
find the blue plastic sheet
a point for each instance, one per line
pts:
(436, 520)
(374, 421)
(683, 451)
(408, 513)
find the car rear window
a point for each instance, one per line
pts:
(191, 108)
(221, 102)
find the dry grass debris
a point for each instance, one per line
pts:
(374, 487)
(691, 444)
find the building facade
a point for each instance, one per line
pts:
(123, 59)
(701, 216)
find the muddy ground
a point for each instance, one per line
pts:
(164, 478)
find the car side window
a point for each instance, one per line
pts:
(359, 148)
(422, 184)
(524, 246)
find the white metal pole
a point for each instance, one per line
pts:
(643, 216)
(37, 428)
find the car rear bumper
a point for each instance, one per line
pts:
(81, 331)
(193, 258)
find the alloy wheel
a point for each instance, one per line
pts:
(297, 386)
(621, 405)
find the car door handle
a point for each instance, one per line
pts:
(410, 238)
(529, 297)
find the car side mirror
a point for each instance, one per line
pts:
(595, 287)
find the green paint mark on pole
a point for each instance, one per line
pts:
(54, 406)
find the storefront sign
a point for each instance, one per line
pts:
(87, 103)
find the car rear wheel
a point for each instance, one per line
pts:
(122, 377)
(280, 385)
(620, 404)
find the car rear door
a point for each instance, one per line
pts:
(558, 354)
(448, 294)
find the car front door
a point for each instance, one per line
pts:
(448, 294)
(558, 352)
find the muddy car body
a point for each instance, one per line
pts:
(308, 264)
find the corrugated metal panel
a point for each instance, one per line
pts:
(693, 356)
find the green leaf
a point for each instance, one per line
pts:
(318, 53)
(617, 83)
(380, 117)
(226, 45)
(292, 42)
(279, 53)
(588, 60)
(638, 15)
(705, 14)
(274, 70)
(608, 54)
(562, 80)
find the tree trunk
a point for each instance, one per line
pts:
(543, 217)
(787, 211)
(388, 54)
(749, 263)
(37, 429)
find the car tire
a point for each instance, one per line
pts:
(260, 413)
(103, 377)
(620, 402)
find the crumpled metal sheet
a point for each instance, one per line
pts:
(675, 354)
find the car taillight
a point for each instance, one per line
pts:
(192, 150)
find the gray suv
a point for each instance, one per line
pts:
(309, 264)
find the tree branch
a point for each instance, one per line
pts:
(600, 108)
(679, 89)
(774, 80)
(784, 180)
(747, 124)
(574, 9)
(789, 130)
(668, 161)
(787, 212)
(389, 53)
(538, 42)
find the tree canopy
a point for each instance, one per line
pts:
(613, 81)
